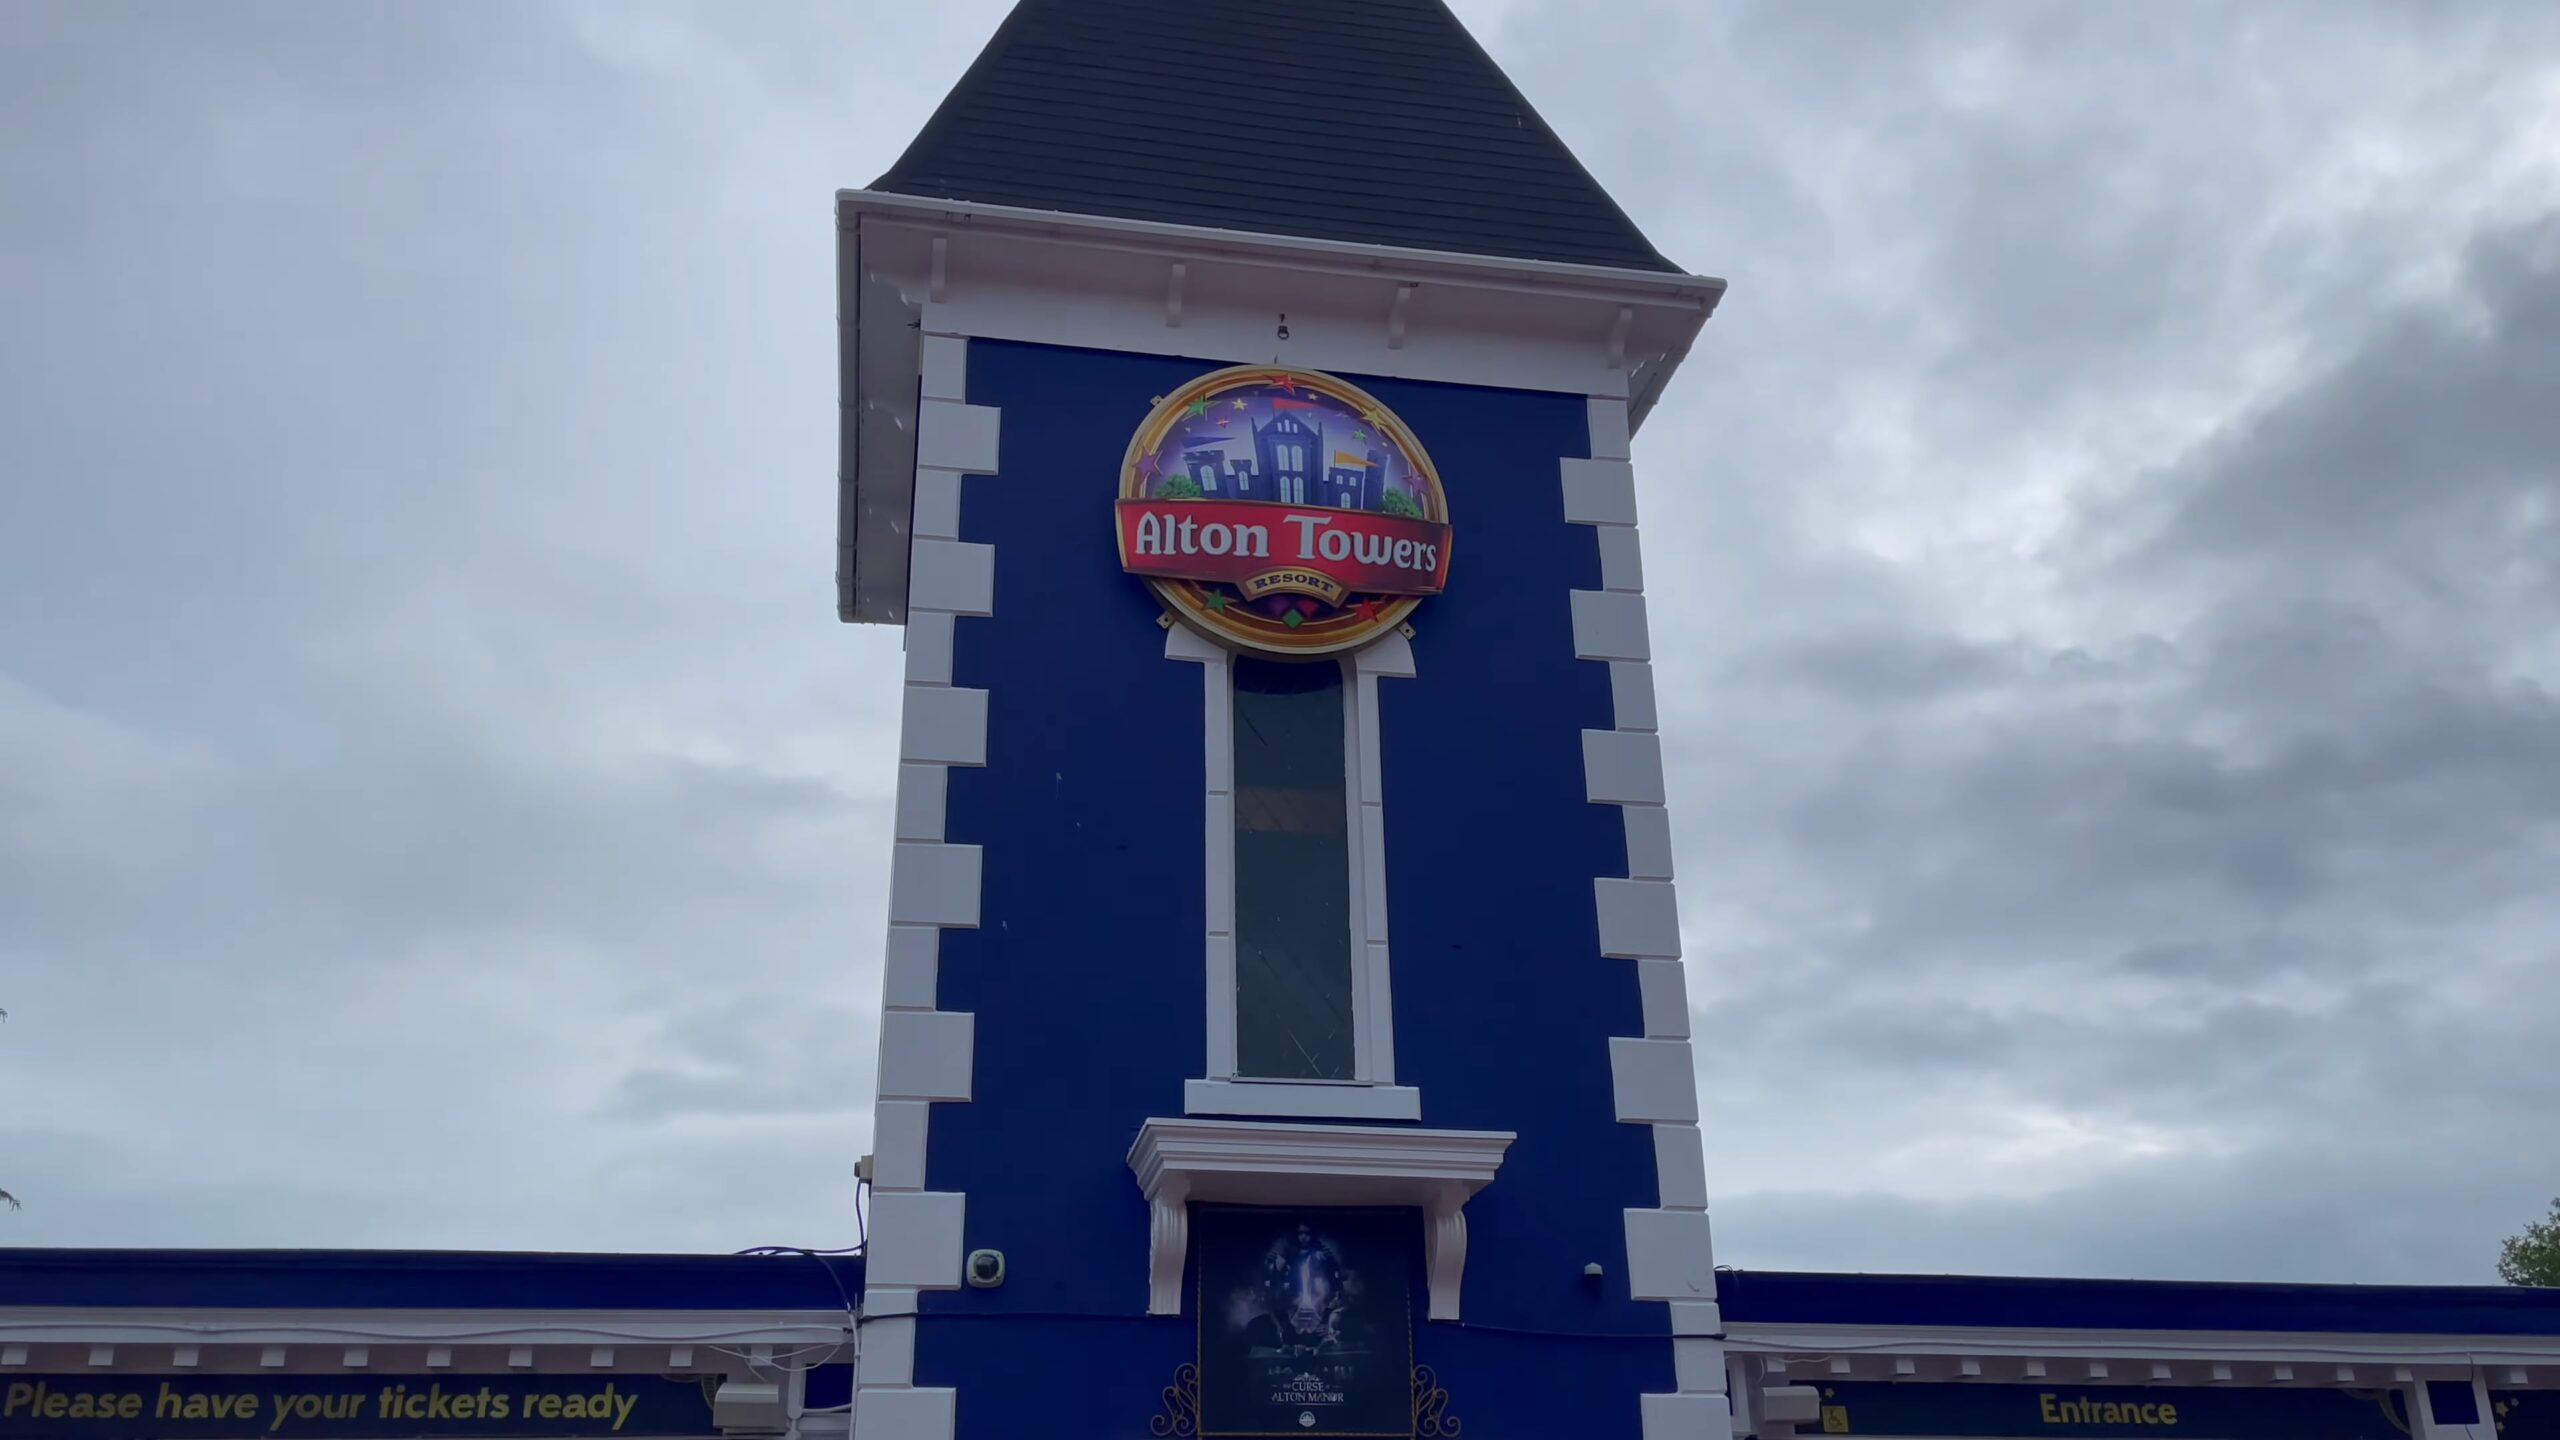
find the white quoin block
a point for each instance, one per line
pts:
(1622, 767)
(915, 1239)
(1609, 439)
(921, 792)
(1669, 1256)
(951, 435)
(1609, 625)
(888, 1355)
(1648, 842)
(1653, 1080)
(1599, 492)
(1639, 919)
(896, 1413)
(952, 575)
(1680, 1165)
(912, 967)
(945, 368)
(1679, 1417)
(937, 505)
(1630, 695)
(934, 884)
(929, 638)
(943, 725)
(926, 1054)
(1621, 559)
(898, 1129)
(1666, 999)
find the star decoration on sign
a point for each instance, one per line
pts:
(1375, 416)
(1224, 422)
(1359, 434)
(1150, 463)
(1239, 404)
(1196, 407)
(1217, 600)
(1287, 383)
(1367, 610)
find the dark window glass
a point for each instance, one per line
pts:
(1293, 873)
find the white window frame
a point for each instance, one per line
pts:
(1371, 1093)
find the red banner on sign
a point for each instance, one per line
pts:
(1262, 548)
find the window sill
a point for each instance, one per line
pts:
(1301, 1100)
(1242, 1162)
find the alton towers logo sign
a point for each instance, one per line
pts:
(1281, 510)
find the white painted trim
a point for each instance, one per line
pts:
(933, 884)
(929, 637)
(1599, 492)
(1639, 919)
(1609, 435)
(1609, 625)
(578, 1330)
(1374, 1095)
(1653, 1080)
(921, 794)
(926, 1055)
(2302, 1349)
(944, 725)
(1301, 1099)
(916, 1239)
(912, 971)
(952, 575)
(1670, 1255)
(1296, 252)
(955, 435)
(1687, 1416)
(901, 1412)
(1177, 1162)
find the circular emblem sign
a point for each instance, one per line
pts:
(1282, 510)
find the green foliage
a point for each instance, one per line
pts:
(1178, 487)
(2533, 1258)
(1397, 502)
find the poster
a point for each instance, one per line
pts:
(1306, 1320)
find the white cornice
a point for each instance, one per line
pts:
(2162, 1345)
(1700, 292)
(1248, 1162)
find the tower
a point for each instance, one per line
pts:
(1284, 1028)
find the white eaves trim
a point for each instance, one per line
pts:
(1277, 1162)
(1600, 282)
(2244, 1346)
(49, 1325)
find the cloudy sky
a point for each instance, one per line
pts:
(2116, 762)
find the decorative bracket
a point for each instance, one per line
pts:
(1173, 295)
(1618, 329)
(1396, 317)
(1257, 1162)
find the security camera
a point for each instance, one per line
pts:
(985, 1270)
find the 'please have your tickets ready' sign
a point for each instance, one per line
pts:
(239, 1407)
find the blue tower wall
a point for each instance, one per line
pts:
(1086, 971)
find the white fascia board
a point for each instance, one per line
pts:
(1599, 282)
(65, 1325)
(2174, 1345)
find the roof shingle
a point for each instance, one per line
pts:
(1371, 121)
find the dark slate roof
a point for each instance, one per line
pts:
(1375, 121)
(1780, 1297)
(424, 1280)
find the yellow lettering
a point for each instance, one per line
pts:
(2045, 1410)
(2168, 1414)
(169, 1404)
(21, 1395)
(57, 1406)
(545, 1407)
(499, 1405)
(129, 1405)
